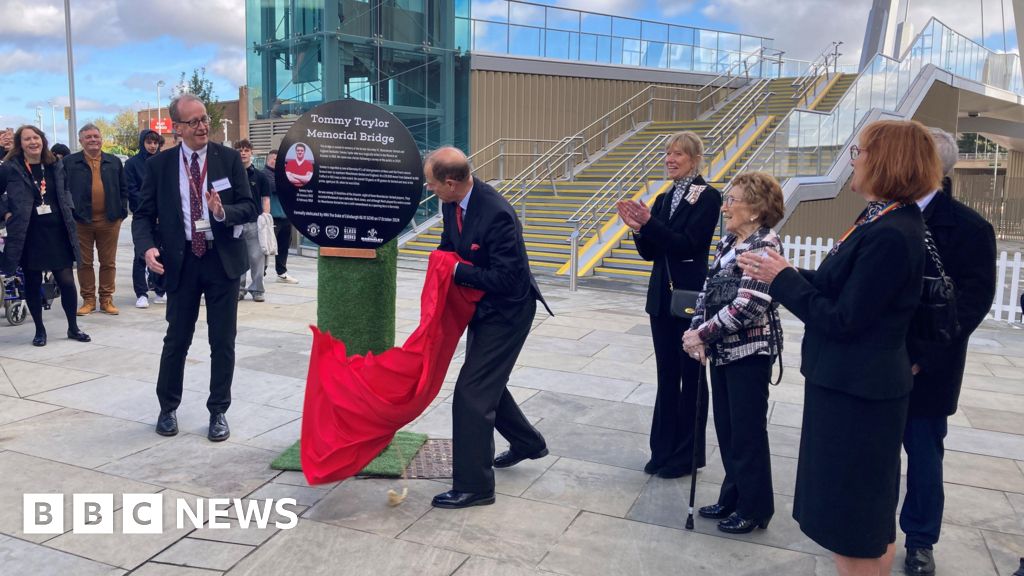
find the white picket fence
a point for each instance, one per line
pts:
(807, 252)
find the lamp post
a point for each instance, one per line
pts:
(159, 118)
(71, 77)
(53, 116)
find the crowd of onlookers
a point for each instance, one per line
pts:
(64, 210)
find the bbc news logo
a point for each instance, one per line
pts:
(144, 513)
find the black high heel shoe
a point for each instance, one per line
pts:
(39, 340)
(735, 524)
(715, 512)
(78, 335)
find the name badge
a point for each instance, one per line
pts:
(202, 225)
(221, 185)
(43, 209)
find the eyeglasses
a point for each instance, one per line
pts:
(855, 151)
(729, 199)
(195, 122)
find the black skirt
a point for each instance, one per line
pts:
(848, 474)
(47, 246)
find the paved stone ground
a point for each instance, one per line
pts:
(79, 418)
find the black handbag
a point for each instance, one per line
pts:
(935, 319)
(720, 291)
(683, 304)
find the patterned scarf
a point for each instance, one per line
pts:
(873, 210)
(680, 189)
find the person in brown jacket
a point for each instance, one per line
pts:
(98, 186)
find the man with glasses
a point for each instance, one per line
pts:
(199, 193)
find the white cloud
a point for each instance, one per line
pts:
(675, 8)
(117, 22)
(625, 8)
(230, 65)
(490, 10)
(20, 61)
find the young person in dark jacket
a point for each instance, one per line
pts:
(35, 203)
(856, 309)
(282, 226)
(966, 244)
(97, 184)
(675, 236)
(150, 143)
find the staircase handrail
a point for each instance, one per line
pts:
(842, 141)
(599, 206)
(736, 122)
(634, 171)
(755, 89)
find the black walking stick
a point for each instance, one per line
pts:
(701, 383)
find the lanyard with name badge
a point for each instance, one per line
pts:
(43, 208)
(203, 224)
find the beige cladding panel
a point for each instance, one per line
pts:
(534, 106)
(825, 218)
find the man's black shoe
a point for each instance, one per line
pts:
(219, 430)
(510, 458)
(673, 472)
(919, 562)
(167, 423)
(456, 499)
(1020, 571)
(716, 512)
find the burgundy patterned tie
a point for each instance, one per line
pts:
(196, 206)
(458, 216)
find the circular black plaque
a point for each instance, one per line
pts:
(349, 175)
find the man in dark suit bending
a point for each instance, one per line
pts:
(481, 226)
(199, 193)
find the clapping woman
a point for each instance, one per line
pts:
(35, 201)
(675, 236)
(857, 308)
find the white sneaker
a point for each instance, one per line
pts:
(158, 299)
(286, 279)
(142, 302)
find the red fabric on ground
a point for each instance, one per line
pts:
(355, 404)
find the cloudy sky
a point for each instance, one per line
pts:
(123, 47)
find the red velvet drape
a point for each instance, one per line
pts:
(355, 404)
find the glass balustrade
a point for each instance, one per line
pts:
(807, 143)
(534, 30)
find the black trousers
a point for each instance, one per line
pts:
(140, 283)
(482, 403)
(740, 392)
(675, 406)
(283, 234)
(199, 277)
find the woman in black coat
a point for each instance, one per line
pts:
(675, 235)
(856, 310)
(36, 204)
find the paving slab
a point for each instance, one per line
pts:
(28, 378)
(316, 548)
(982, 471)
(567, 382)
(13, 409)
(127, 550)
(20, 557)
(79, 438)
(204, 554)
(362, 504)
(598, 545)
(593, 444)
(589, 486)
(512, 529)
(197, 466)
(31, 475)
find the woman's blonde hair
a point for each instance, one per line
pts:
(763, 194)
(688, 143)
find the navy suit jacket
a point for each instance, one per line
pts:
(160, 200)
(491, 240)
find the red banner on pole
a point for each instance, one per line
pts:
(161, 126)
